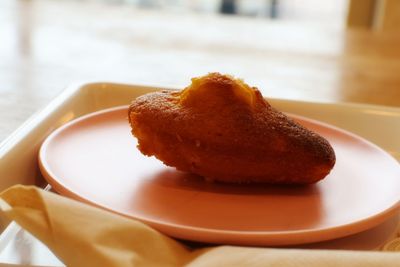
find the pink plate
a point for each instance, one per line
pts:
(94, 159)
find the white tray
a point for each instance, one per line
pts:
(18, 154)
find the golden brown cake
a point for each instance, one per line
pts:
(224, 130)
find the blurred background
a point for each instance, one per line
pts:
(376, 14)
(320, 51)
(332, 12)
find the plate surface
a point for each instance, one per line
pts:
(95, 159)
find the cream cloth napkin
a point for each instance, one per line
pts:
(84, 236)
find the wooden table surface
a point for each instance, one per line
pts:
(46, 45)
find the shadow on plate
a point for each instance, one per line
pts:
(179, 198)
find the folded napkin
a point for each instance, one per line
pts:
(84, 236)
